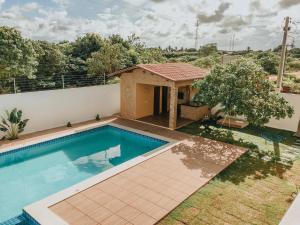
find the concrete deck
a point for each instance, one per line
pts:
(145, 193)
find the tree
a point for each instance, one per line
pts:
(208, 49)
(207, 62)
(151, 55)
(135, 42)
(17, 56)
(269, 62)
(117, 39)
(84, 46)
(242, 89)
(108, 60)
(52, 61)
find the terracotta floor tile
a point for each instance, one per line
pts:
(75, 199)
(174, 194)
(102, 198)
(106, 186)
(100, 214)
(152, 196)
(114, 220)
(143, 219)
(72, 215)
(85, 220)
(92, 192)
(139, 190)
(130, 198)
(145, 193)
(167, 203)
(61, 207)
(149, 208)
(112, 190)
(87, 205)
(114, 205)
(128, 213)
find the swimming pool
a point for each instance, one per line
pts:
(32, 173)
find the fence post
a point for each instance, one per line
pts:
(15, 87)
(104, 79)
(63, 81)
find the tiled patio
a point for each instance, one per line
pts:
(145, 193)
(163, 120)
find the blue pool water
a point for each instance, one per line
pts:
(35, 172)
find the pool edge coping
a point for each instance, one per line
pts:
(40, 211)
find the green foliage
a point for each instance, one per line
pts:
(84, 46)
(207, 62)
(295, 52)
(13, 124)
(98, 117)
(17, 56)
(117, 39)
(269, 62)
(151, 55)
(242, 89)
(50, 58)
(208, 49)
(110, 58)
(294, 65)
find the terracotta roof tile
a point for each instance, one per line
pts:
(171, 71)
(175, 71)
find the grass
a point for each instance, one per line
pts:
(258, 188)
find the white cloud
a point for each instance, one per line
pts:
(158, 22)
(1, 3)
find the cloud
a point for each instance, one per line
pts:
(224, 31)
(217, 16)
(267, 14)
(151, 16)
(157, 22)
(234, 23)
(158, 1)
(288, 3)
(255, 5)
(61, 2)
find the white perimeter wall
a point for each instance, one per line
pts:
(49, 109)
(288, 123)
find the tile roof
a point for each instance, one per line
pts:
(171, 71)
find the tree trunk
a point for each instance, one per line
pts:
(298, 131)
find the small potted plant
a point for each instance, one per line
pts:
(13, 124)
(98, 117)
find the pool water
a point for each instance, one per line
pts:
(32, 173)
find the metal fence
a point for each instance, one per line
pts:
(24, 84)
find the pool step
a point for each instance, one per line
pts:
(18, 220)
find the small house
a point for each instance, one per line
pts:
(160, 93)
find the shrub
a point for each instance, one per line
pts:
(294, 65)
(207, 62)
(98, 117)
(269, 62)
(13, 125)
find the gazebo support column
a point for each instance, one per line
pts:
(173, 108)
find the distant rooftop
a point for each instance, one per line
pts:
(171, 71)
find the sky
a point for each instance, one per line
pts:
(254, 23)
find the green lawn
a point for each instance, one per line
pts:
(256, 189)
